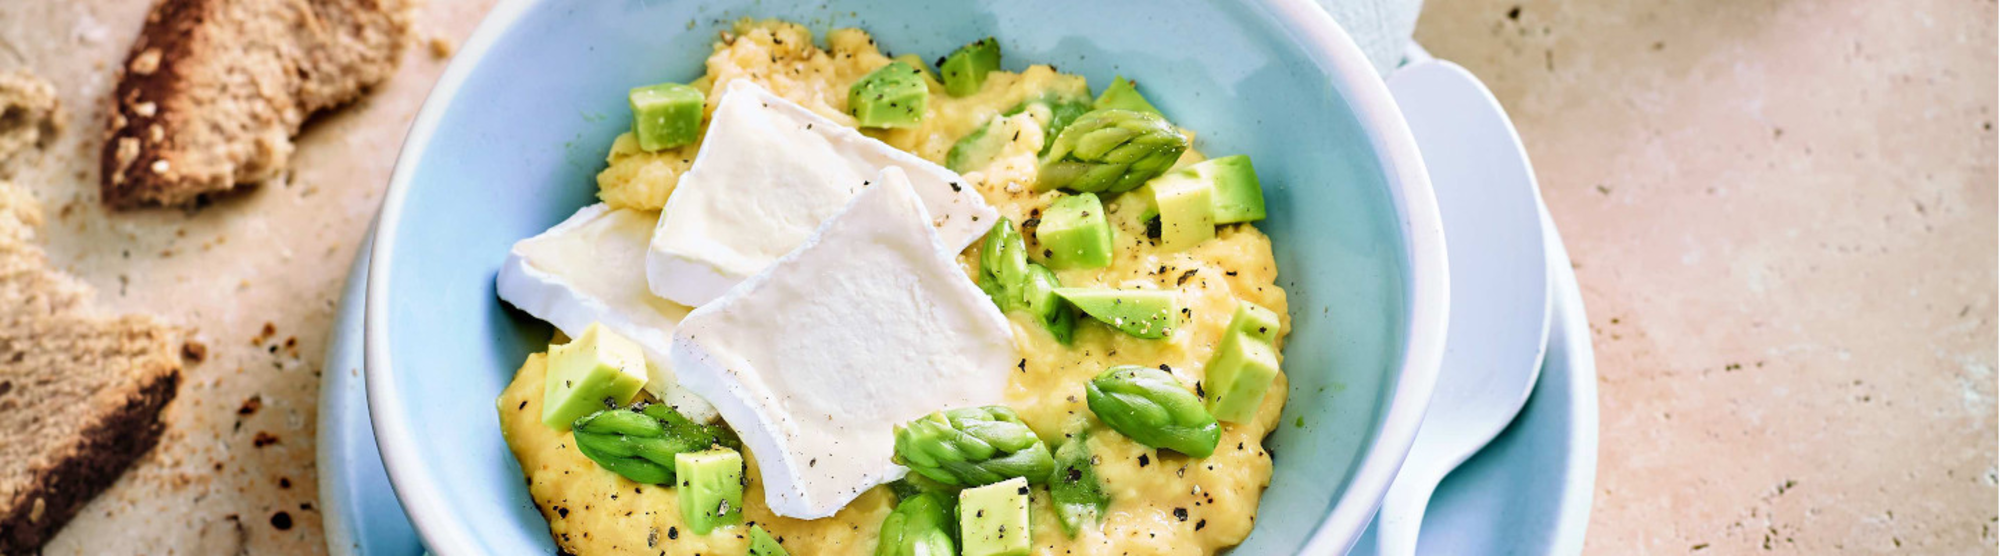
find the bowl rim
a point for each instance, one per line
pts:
(1351, 75)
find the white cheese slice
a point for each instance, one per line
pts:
(768, 173)
(813, 362)
(591, 268)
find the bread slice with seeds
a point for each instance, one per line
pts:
(80, 394)
(214, 91)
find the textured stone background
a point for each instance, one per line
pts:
(1782, 215)
(1783, 218)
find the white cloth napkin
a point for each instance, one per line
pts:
(1381, 27)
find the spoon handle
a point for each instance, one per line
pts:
(1402, 513)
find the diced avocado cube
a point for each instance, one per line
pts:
(1150, 212)
(1256, 321)
(1075, 234)
(761, 543)
(1187, 209)
(915, 62)
(597, 370)
(1238, 195)
(1236, 379)
(1141, 313)
(1039, 296)
(1123, 94)
(965, 69)
(891, 96)
(711, 488)
(1239, 374)
(666, 115)
(993, 519)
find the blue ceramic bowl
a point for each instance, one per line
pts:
(511, 138)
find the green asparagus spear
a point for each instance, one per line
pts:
(919, 526)
(1062, 113)
(697, 435)
(616, 438)
(915, 484)
(640, 444)
(1014, 283)
(1039, 297)
(1110, 151)
(1148, 406)
(1078, 495)
(1055, 111)
(976, 150)
(1003, 264)
(973, 446)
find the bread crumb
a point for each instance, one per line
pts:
(33, 115)
(442, 47)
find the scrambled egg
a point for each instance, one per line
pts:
(1162, 502)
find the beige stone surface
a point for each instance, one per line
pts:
(256, 276)
(1782, 215)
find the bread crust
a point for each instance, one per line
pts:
(213, 91)
(108, 446)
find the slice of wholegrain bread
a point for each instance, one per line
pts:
(80, 394)
(214, 90)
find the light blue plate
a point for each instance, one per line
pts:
(511, 137)
(1466, 136)
(359, 511)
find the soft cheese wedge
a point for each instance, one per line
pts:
(768, 173)
(591, 268)
(813, 362)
